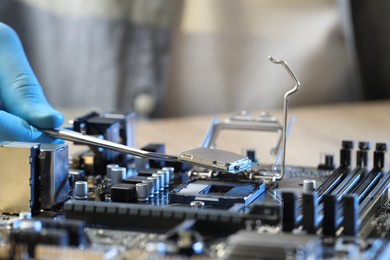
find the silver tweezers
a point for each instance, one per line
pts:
(74, 136)
(211, 163)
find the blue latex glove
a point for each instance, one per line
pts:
(24, 106)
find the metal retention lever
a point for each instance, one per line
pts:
(285, 110)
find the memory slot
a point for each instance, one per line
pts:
(367, 184)
(357, 214)
(332, 203)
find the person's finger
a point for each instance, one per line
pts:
(14, 128)
(20, 91)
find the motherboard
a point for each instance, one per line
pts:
(110, 200)
(102, 204)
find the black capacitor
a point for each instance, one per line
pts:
(123, 192)
(135, 179)
(147, 172)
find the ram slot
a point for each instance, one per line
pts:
(305, 211)
(333, 202)
(374, 199)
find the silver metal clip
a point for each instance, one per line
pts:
(285, 110)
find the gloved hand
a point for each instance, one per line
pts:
(24, 106)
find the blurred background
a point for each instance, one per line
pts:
(165, 58)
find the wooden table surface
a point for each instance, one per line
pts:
(317, 130)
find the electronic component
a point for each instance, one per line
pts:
(18, 168)
(216, 214)
(155, 189)
(74, 228)
(118, 174)
(155, 219)
(38, 172)
(31, 238)
(142, 191)
(28, 234)
(109, 168)
(328, 164)
(159, 182)
(167, 179)
(155, 148)
(53, 174)
(135, 179)
(121, 210)
(217, 193)
(81, 190)
(217, 159)
(245, 121)
(309, 185)
(113, 126)
(123, 192)
(251, 245)
(171, 173)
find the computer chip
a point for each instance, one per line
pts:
(217, 159)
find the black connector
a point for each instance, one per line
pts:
(379, 155)
(331, 220)
(310, 218)
(329, 163)
(290, 211)
(345, 153)
(351, 216)
(362, 154)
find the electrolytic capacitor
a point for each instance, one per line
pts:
(109, 167)
(156, 183)
(309, 185)
(150, 187)
(118, 174)
(142, 191)
(160, 180)
(166, 177)
(81, 190)
(171, 172)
